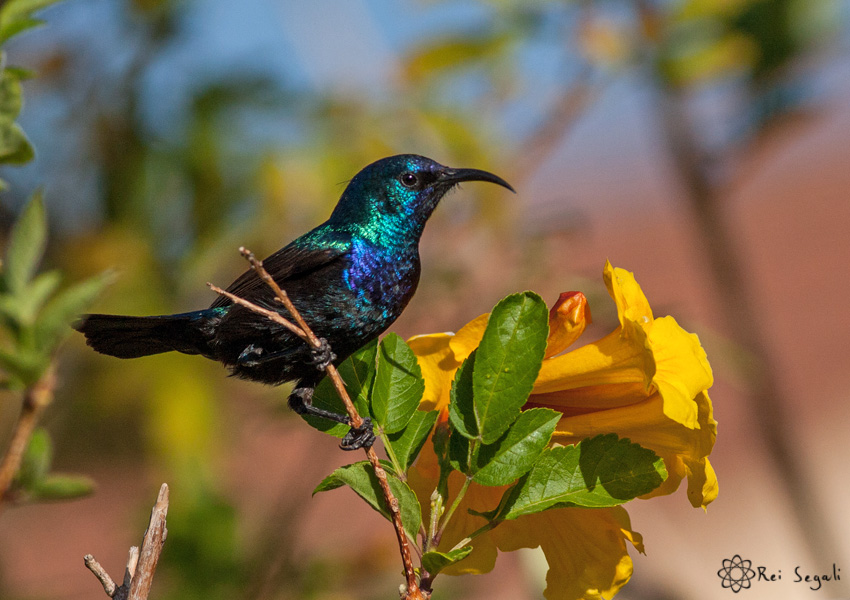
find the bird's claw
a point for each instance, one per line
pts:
(359, 437)
(322, 356)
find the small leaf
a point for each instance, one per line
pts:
(434, 561)
(15, 147)
(515, 453)
(398, 384)
(603, 471)
(16, 16)
(24, 366)
(461, 408)
(10, 95)
(407, 443)
(507, 362)
(35, 295)
(362, 479)
(63, 487)
(358, 372)
(53, 323)
(26, 246)
(35, 464)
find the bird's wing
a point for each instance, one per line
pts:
(287, 263)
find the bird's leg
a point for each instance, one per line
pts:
(322, 356)
(301, 401)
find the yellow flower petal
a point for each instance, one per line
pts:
(630, 299)
(681, 369)
(438, 366)
(469, 336)
(585, 548)
(611, 360)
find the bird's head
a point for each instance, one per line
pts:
(402, 191)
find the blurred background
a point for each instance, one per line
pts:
(702, 144)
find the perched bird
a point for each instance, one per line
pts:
(350, 277)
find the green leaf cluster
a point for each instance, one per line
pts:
(34, 315)
(35, 481)
(15, 16)
(488, 438)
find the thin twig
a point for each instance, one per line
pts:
(105, 580)
(36, 399)
(141, 564)
(306, 333)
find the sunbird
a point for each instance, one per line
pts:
(350, 278)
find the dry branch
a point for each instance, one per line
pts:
(141, 564)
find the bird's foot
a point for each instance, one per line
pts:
(359, 437)
(322, 356)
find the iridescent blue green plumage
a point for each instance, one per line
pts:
(350, 277)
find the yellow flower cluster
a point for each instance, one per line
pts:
(646, 381)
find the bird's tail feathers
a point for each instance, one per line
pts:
(132, 337)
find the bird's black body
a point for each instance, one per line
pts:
(350, 277)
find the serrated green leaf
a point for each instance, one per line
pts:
(398, 385)
(362, 479)
(461, 407)
(507, 362)
(62, 487)
(53, 323)
(26, 246)
(16, 16)
(603, 471)
(434, 561)
(513, 455)
(358, 373)
(407, 443)
(35, 464)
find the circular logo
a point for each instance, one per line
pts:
(736, 573)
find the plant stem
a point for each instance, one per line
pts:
(37, 398)
(461, 493)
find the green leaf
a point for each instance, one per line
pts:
(407, 443)
(11, 96)
(507, 362)
(459, 457)
(24, 366)
(513, 455)
(16, 16)
(26, 246)
(54, 321)
(358, 372)
(62, 487)
(362, 479)
(15, 147)
(461, 407)
(36, 294)
(599, 472)
(398, 384)
(434, 561)
(35, 464)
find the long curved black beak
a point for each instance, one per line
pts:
(455, 176)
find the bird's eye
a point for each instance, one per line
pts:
(409, 179)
